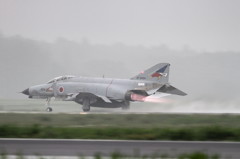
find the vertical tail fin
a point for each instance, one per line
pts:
(158, 73)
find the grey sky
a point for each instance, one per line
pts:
(204, 76)
(204, 25)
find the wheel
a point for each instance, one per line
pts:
(86, 105)
(126, 105)
(49, 109)
(86, 110)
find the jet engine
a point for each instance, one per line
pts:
(136, 95)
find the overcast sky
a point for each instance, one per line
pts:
(204, 25)
(199, 38)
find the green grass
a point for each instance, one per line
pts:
(117, 155)
(189, 134)
(122, 120)
(122, 126)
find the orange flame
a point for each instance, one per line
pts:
(141, 98)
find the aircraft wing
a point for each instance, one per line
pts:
(82, 95)
(105, 99)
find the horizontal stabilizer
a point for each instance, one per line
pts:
(171, 90)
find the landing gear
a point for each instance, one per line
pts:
(126, 105)
(49, 109)
(86, 105)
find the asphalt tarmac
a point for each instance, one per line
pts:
(65, 147)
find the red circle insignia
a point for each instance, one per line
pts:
(61, 89)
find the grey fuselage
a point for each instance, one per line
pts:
(107, 92)
(103, 92)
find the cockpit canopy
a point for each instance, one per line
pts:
(60, 78)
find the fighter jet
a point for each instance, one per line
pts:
(148, 85)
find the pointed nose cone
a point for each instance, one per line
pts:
(26, 91)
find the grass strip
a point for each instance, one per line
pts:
(213, 133)
(122, 120)
(117, 155)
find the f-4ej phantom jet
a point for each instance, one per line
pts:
(149, 85)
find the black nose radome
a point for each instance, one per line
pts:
(26, 91)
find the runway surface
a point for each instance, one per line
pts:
(37, 106)
(65, 147)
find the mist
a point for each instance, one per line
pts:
(209, 78)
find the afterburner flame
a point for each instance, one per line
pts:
(156, 100)
(141, 98)
(137, 97)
